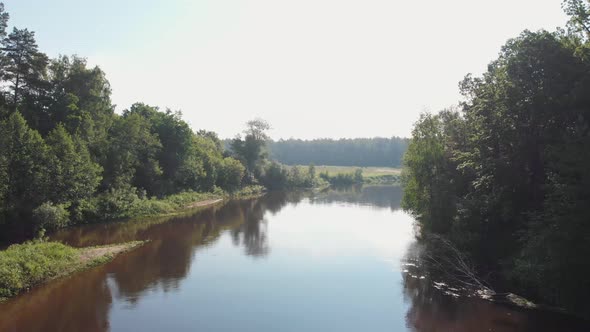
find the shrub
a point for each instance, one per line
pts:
(249, 191)
(23, 266)
(358, 175)
(232, 172)
(115, 203)
(344, 179)
(275, 177)
(50, 217)
(84, 211)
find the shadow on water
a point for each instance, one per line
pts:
(82, 302)
(437, 304)
(88, 301)
(375, 196)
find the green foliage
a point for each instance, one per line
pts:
(79, 98)
(25, 168)
(23, 66)
(50, 217)
(67, 158)
(391, 179)
(172, 203)
(115, 203)
(124, 203)
(23, 266)
(131, 154)
(3, 21)
(358, 175)
(249, 191)
(340, 179)
(507, 177)
(231, 175)
(206, 151)
(74, 175)
(275, 176)
(343, 179)
(384, 152)
(280, 177)
(430, 170)
(251, 150)
(579, 13)
(368, 172)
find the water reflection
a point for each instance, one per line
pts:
(432, 310)
(289, 261)
(59, 306)
(82, 302)
(435, 305)
(252, 233)
(375, 196)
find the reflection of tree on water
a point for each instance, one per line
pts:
(380, 196)
(79, 303)
(82, 301)
(433, 310)
(165, 261)
(252, 233)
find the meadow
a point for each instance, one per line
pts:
(367, 171)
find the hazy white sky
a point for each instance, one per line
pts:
(312, 68)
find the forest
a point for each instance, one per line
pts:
(505, 175)
(378, 152)
(67, 158)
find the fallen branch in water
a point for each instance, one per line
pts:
(450, 261)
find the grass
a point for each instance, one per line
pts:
(178, 202)
(128, 229)
(371, 175)
(23, 266)
(125, 205)
(169, 204)
(367, 171)
(249, 191)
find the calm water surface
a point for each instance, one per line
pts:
(332, 261)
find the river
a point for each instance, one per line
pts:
(331, 261)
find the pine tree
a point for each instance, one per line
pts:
(24, 66)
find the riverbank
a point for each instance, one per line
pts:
(179, 203)
(155, 207)
(24, 266)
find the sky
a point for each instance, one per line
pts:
(311, 68)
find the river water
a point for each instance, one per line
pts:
(332, 261)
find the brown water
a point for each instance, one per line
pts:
(286, 262)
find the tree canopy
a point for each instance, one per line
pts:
(506, 175)
(65, 152)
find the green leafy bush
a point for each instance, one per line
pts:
(231, 175)
(249, 191)
(343, 179)
(115, 203)
(23, 266)
(280, 177)
(50, 217)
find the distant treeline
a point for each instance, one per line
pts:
(67, 158)
(382, 152)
